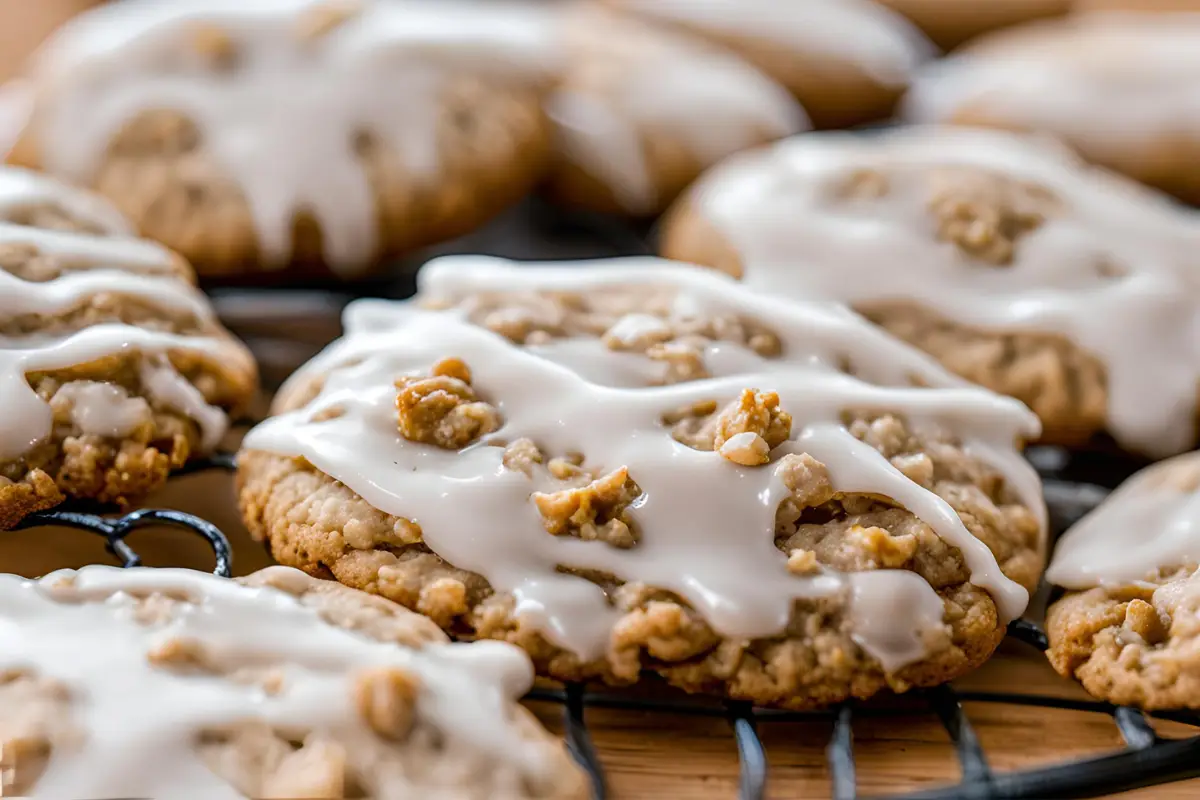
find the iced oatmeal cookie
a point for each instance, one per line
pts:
(846, 61)
(113, 367)
(642, 111)
(1128, 627)
(645, 467)
(316, 135)
(1003, 255)
(1117, 86)
(172, 683)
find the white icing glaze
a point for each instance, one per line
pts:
(720, 555)
(780, 210)
(22, 187)
(1151, 522)
(114, 265)
(141, 722)
(283, 124)
(1108, 79)
(630, 83)
(102, 409)
(875, 39)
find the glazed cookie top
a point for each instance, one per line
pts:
(363, 413)
(1149, 526)
(279, 91)
(986, 228)
(66, 255)
(165, 682)
(628, 82)
(1110, 78)
(878, 41)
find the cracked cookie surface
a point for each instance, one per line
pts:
(589, 539)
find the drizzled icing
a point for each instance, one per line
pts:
(114, 265)
(720, 556)
(1150, 523)
(284, 120)
(875, 39)
(79, 628)
(1098, 79)
(1111, 270)
(631, 82)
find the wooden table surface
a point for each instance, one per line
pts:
(687, 757)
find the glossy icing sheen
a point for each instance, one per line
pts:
(1113, 272)
(630, 82)
(864, 34)
(1101, 79)
(1152, 522)
(104, 266)
(719, 555)
(283, 122)
(140, 722)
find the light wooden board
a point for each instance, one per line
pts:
(693, 758)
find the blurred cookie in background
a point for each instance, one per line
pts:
(949, 23)
(1120, 87)
(846, 61)
(1013, 262)
(312, 136)
(643, 110)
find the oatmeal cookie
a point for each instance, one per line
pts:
(846, 61)
(276, 685)
(949, 23)
(1128, 627)
(315, 135)
(642, 111)
(643, 467)
(113, 367)
(1003, 255)
(1118, 87)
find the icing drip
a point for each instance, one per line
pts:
(102, 409)
(381, 70)
(719, 556)
(1109, 269)
(21, 187)
(875, 39)
(647, 83)
(1152, 522)
(1069, 78)
(28, 419)
(97, 267)
(141, 722)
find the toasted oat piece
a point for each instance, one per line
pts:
(173, 683)
(113, 368)
(1003, 255)
(1128, 627)
(765, 525)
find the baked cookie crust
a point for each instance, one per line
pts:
(824, 650)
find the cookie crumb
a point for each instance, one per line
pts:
(1142, 620)
(803, 562)
(443, 410)
(746, 448)
(386, 699)
(754, 412)
(891, 552)
(592, 512)
(215, 46)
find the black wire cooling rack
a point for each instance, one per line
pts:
(285, 328)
